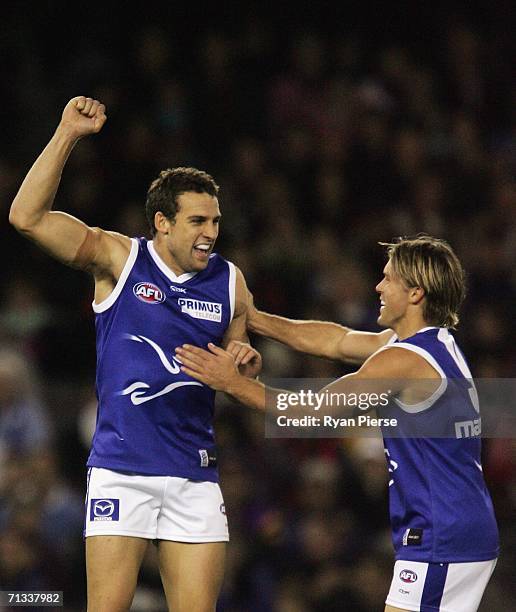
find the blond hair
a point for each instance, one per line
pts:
(431, 264)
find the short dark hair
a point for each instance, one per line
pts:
(430, 263)
(170, 184)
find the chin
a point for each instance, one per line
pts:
(199, 266)
(382, 322)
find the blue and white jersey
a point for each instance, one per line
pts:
(152, 418)
(440, 508)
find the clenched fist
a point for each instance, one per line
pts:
(83, 116)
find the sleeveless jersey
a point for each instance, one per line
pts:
(152, 418)
(440, 508)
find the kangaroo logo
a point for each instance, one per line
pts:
(137, 390)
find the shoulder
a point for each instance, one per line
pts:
(394, 361)
(111, 251)
(121, 239)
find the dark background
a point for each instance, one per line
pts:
(328, 130)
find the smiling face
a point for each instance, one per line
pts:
(186, 242)
(394, 298)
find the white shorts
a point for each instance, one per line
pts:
(439, 587)
(154, 507)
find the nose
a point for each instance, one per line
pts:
(211, 231)
(378, 287)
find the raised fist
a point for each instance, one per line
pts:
(83, 116)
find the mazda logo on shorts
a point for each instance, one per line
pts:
(408, 575)
(104, 509)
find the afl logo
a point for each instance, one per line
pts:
(149, 293)
(408, 575)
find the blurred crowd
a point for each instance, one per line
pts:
(325, 139)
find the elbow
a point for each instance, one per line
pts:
(15, 219)
(19, 221)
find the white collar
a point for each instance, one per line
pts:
(165, 269)
(424, 329)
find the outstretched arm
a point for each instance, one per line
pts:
(63, 236)
(319, 338)
(391, 371)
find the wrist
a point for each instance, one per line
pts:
(234, 383)
(66, 134)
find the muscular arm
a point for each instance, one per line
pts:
(63, 236)
(236, 340)
(319, 338)
(237, 329)
(393, 370)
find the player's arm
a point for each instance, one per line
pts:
(392, 371)
(63, 236)
(236, 341)
(319, 338)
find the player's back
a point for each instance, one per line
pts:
(440, 508)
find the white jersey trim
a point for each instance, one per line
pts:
(165, 269)
(419, 407)
(232, 289)
(112, 297)
(448, 340)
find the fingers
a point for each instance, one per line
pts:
(192, 351)
(79, 102)
(83, 116)
(248, 356)
(213, 368)
(245, 355)
(88, 106)
(242, 352)
(192, 364)
(83, 104)
(216, 350)
(238, 350)
(192, 356)
(100, 118)
(194, 374)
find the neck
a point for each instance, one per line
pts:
(405, 329)
(161, 249)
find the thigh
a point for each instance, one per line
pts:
(112, 565)
(192, 574)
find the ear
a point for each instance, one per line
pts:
(416, 295)
(161, 223)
